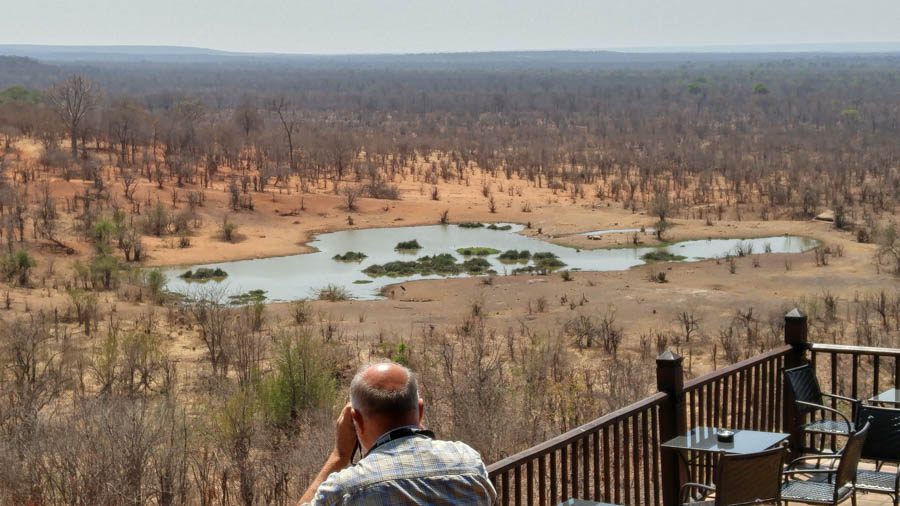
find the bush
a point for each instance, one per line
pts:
(350, 256)
(477, 251)
(301, 380)
(17, 267)
(333, 293)
(382, 190)
(661, 256)
(156, 282)
(302, 311)
(408, 245)
(512, 255)
(547, 261)
(204, 274)
(477, 265)
(229, 230)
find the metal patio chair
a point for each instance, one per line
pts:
(744, 479)
(809, 400)
(882, 446)
(826, 485)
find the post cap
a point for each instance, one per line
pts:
(669, 356)
(795, 314)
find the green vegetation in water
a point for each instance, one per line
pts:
(548, 261)
(494, 226)
(477, 265)
(204, 274)
(408, 245)
(248, 297)
(471, 224)
(442, 265)
(543, 263)
(661, 256)
(362, 281)
(350, 256)
(477, 251)
(512, 255)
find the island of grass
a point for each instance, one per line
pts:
(253, 296)
(544, 263)
(548, 261)
(512, 255)
(362, 281)
(661, 256)
(471, 224)
(408, 245)
(350, 256)
(204, 274)
(494, 226)
(442, 265)
(477, 251)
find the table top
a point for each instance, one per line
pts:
(582, 502)
(891, 396)
(704, 439)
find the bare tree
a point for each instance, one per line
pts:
(72, 100)
(281, 107)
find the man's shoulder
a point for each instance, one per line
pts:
(407, 459)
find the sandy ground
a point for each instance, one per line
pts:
(278, 226)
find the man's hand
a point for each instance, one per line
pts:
(344, 436)
(344, 443)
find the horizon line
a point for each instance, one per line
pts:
(725, 48)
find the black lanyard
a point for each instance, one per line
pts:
(400, 433)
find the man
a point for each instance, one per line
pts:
(403, 463)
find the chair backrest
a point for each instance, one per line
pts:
(749, 478)
(804, 386)
(846, 471)
(883, 442)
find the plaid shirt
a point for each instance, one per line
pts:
(411, 470)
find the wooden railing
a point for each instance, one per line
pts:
(745, 395)
(617, 458)
(614, 458)
(871, 370)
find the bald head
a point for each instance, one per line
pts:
(385, 389)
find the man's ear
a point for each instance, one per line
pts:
(357, 420)
(421, 411)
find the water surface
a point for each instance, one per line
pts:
(300, 276)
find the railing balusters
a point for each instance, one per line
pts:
(542, 479)
(645, 452)
(617, 454)
(657, 477)
(636, 460)
(517, 484)
(529, 480)
(626, 453)
(554, 498)
(564, 471)
(607, 496)
(595, 439)
(876, 363)
(574, 470)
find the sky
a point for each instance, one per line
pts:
(422, 26)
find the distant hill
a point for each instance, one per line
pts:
(113, 53)
(27, 72)
(181, 54)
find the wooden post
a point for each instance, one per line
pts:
(795, 336)
(672, 421)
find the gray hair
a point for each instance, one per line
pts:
(373, 401)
